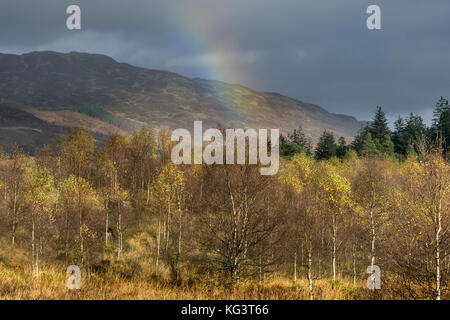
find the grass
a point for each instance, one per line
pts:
(19, 284)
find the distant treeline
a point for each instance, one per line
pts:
(376, 138)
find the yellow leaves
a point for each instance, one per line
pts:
(425, 187)
(43, 194)
(335, 162)
(118, 195)
(335, 190)
(143, 145)
(411, 169)
(299, 172)
(169, 185)
(304, 165)
(350, 157)
(333, 187)
(116, 144)
(78, 149)
(87, 233)
(170, 177)
(323, 179)
(75, 190)
(291, 180)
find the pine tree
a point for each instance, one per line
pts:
(358, 142)
(407, 134)
(326, 147)
(440, 128)
(439, 109)
(369, 147)
(341, 148)
(444, 129)
(295, 143)
(375, 138)
(299, 138)
(398, 136)
(379, 126)
(386, 146)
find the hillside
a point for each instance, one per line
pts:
(18, 125)
(96, 92)
(25, 129)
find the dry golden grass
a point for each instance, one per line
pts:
(17, 283)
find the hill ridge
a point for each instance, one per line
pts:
(125, 97)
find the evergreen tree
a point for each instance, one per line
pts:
(407, 133)
(386, 146)
(299, 138)
(440, 128)
(379, 126)
(289, 149)
(375, 138)
(398, 136)
(295, 143)
(444, 129)
(439, 109)
(358, 142)
(326, 147)
(369, 146)
(342, 148)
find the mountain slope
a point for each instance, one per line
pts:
(69, 89)
(18, 125)
(21, 127)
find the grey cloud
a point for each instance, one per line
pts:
(317, 51)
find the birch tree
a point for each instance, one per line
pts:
(43, 197)
(78, 201)
(301, 176)
(169, 193)
(374, 197)
(335, 194)
(436, 195)
(16, 191)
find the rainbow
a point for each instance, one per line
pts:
(221, 61)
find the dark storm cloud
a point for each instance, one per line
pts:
(319, 51)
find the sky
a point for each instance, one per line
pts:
(318, 51)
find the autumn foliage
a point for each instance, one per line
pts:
(139, 226)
